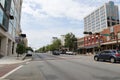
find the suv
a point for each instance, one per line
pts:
(111, 55)
(56, 52)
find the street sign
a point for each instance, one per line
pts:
(105, 34)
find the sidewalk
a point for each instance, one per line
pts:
(12, 59)
(9, 63)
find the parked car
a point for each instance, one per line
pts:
(56, 52)
(111, 55)
(70, 53)
(29, 53)
(63, 52)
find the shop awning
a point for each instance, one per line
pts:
(91, 46)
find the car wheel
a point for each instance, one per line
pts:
(96, 58)
(112, 60)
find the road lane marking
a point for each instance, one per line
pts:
(11, 72)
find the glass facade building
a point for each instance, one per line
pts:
(102, 18)
(10, 14)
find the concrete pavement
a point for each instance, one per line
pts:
(9, 63)
(12, 60)
(66, 67)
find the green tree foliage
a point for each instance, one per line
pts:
(70, 41)
(29, 49)
(55, 45)
(20, 49)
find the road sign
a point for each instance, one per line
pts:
(105, 34)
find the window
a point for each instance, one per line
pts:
(1, 16)
(112, 35)
(106, 52)
(10, 28)
(119, 35)
(2, 3)
(113, 23)
(118, 51)
(0, 43)
(108, 24)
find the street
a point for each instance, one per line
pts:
(66, 67)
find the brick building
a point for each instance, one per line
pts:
(107, 39)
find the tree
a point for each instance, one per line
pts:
(20, 49)
(70, 41)
(29, 49)
(56, 44)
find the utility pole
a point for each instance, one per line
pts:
(117, 45)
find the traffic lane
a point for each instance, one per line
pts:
(45, 56)
(31, 71)
(80, 71)
(66, 69)
(51, 72)
(113, 67)
(88, 61)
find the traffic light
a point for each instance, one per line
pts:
(97, 33)
(90, 33)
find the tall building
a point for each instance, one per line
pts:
(63, 40)
(10, 28)
(102, 18)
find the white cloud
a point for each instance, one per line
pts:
(37, 14)
(57, 8)
(38, 38)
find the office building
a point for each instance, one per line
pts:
(102, 18)
(10, 28)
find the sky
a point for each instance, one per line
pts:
(43, 19)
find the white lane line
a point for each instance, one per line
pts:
(11, 72)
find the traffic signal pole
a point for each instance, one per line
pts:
(117, 45)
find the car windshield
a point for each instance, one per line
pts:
(118, 51)
(114, 52)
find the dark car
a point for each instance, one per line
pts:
(111, 55)
(56, 52)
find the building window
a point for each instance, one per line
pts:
(112, 35)
(2, 2)
(113, 23)
(119, 35)
(108, 24)
(10, 27)
(0, 43)
(3, 20)
(1, 16)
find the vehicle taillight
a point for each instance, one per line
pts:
(117, 54)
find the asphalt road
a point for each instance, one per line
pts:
(66, 67)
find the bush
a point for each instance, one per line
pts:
(20, 49)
